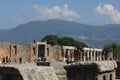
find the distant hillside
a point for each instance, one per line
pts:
(93, 35)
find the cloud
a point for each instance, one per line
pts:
(56, 12)
(109, 11)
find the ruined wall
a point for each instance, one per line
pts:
(99, 70)
(55, 53)
(118, 70)
(3, 53)
(32, 52)
(14, 51)
(28, 53)
(26, 72)
(24, 53)
(4, 50)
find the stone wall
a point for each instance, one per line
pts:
(118, 70)
(54, 53)
(14, 51)
(99, 70)
(4, 50)
(26, 72)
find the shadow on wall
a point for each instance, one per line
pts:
(118, 70)
(8, 73)
(82, 72)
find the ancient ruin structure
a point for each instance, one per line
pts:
(118, 70)
(91, 54)
(38, 50)
(91, 70)
(31, 52)
(26, 72)
(68, 53)
(13, 52)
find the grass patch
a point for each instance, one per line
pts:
(62, 77)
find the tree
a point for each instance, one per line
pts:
(51, 39)
(114, 48)
(68, 41)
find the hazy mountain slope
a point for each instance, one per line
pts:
(93, 35)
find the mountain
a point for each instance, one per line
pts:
(93, 35)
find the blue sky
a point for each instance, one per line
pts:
(93, 12)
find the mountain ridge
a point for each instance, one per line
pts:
(94, 35)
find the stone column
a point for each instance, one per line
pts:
(72, 55)
(10, 50)
(84, 56)
(100, 55)
(87, 55)
(91, 57)
(97, 55)
(94, 55)
(45, 50)
(68, 53)
(64, 52)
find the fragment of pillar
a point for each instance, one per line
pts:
(68, 53)
(100, 55)
(64, 52)
(84, 56)
(72, 55)
(91, 58)
(97, 55)
(87, 55)
(94, 56)
(10, 50)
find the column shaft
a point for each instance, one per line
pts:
(87, 55)
(97, 55)
(94, 55)
(72, 55)
(91, 58)
(81, 56)
(100, 55)
(64, 52)
(84, 55)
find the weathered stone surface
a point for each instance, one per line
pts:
(96, 70)
(118, 70)
(27, 72)
(101, 65)
(58, 67)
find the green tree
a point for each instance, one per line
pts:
(114, 48)
(51, 39)
(68, 41)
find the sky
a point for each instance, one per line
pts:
(92, 12)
